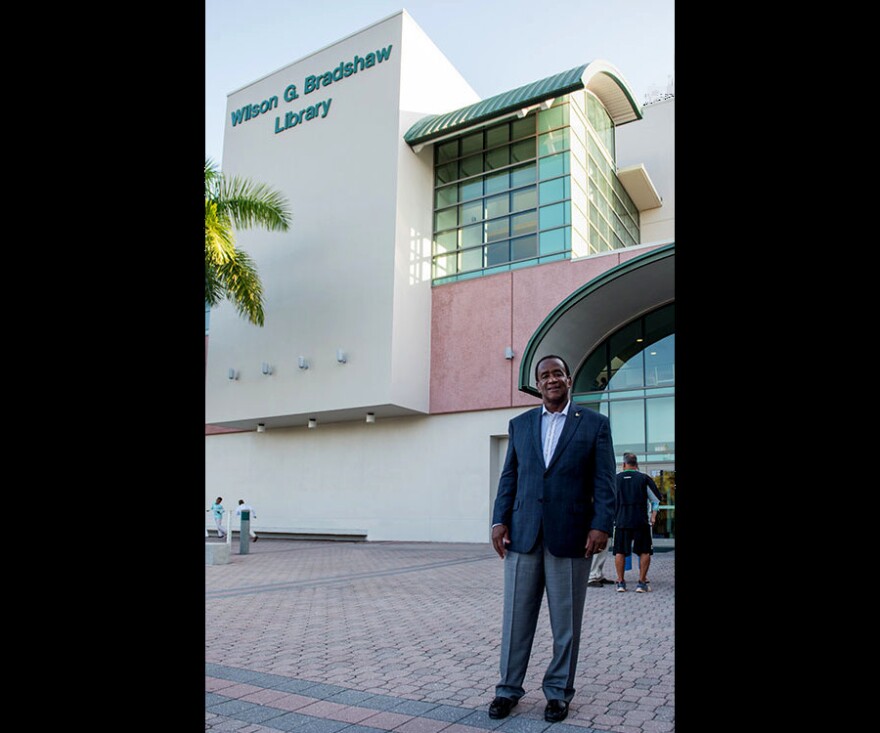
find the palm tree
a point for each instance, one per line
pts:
(241, 204)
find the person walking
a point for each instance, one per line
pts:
(218, 512)
(554, 509)
(242, 507)
(597, 570)
(632, 533)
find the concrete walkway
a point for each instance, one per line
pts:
(368, 637)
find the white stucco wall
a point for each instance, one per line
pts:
(403, 479)
(651, 142)
(353, 271)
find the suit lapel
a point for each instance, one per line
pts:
(535, 430)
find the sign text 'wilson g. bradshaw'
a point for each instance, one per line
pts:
(312, 83)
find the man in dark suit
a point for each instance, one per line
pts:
(554, 509)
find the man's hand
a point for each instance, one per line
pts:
(500, 538)
(597, 540)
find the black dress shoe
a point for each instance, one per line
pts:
(556, 711)
(500, 707)
(595, 584)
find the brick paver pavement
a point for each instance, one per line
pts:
(366, 637)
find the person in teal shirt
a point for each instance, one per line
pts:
(218, 511)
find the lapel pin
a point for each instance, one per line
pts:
(577, 414)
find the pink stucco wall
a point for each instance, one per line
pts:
(473, 321)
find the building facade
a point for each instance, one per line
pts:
(440, 244)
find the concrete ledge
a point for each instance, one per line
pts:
(337, 535)
(216, 553)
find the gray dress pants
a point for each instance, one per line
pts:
(526, 577)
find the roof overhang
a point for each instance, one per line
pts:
(600, 77)
(594, 311)
(638, 185)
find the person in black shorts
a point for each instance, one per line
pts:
(632, 526)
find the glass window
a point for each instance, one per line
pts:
(593, 375)
(524, 223)
(628, 425)
(497, 254)
(660, 362)
(522, 175)
(471, 236)
(595, 241)
(470, 190)
(601, 123)
(553, 241)
(524, 247)
(445, 219)
(472, 143)
(627, 357)
(554, 117)
(447, 151)
(522, 128)
(660, 419)
(471, 212)
(445, 196)
(472, 259)
(496, 182)
(553, 142)
(497, 229)
(445, 264)
(445, 242)
(497, 135)
(497, 158)
(641, 420)
(554, 190)
(555, 215)
(485, 180)
(445, 173)
(497, 205)
(524, 150)
(471, 166)
(524, 198)
(554, 165)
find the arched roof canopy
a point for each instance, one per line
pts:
(600, 77)
(589, 315)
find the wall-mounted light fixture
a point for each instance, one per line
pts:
(371, 417)
(265, 368)
(303, 363)
(261, 428)
(340, 356)
(313, 422)
(232, 375)
(508, 352)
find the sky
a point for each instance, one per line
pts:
(496, 45)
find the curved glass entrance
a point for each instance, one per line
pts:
(630, 377)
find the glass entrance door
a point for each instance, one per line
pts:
(664, 477)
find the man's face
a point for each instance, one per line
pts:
(553, 384)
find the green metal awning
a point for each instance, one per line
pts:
(600, 77)
(577, 325)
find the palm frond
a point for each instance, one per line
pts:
(237, 203)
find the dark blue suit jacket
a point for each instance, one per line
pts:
(573, 495)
